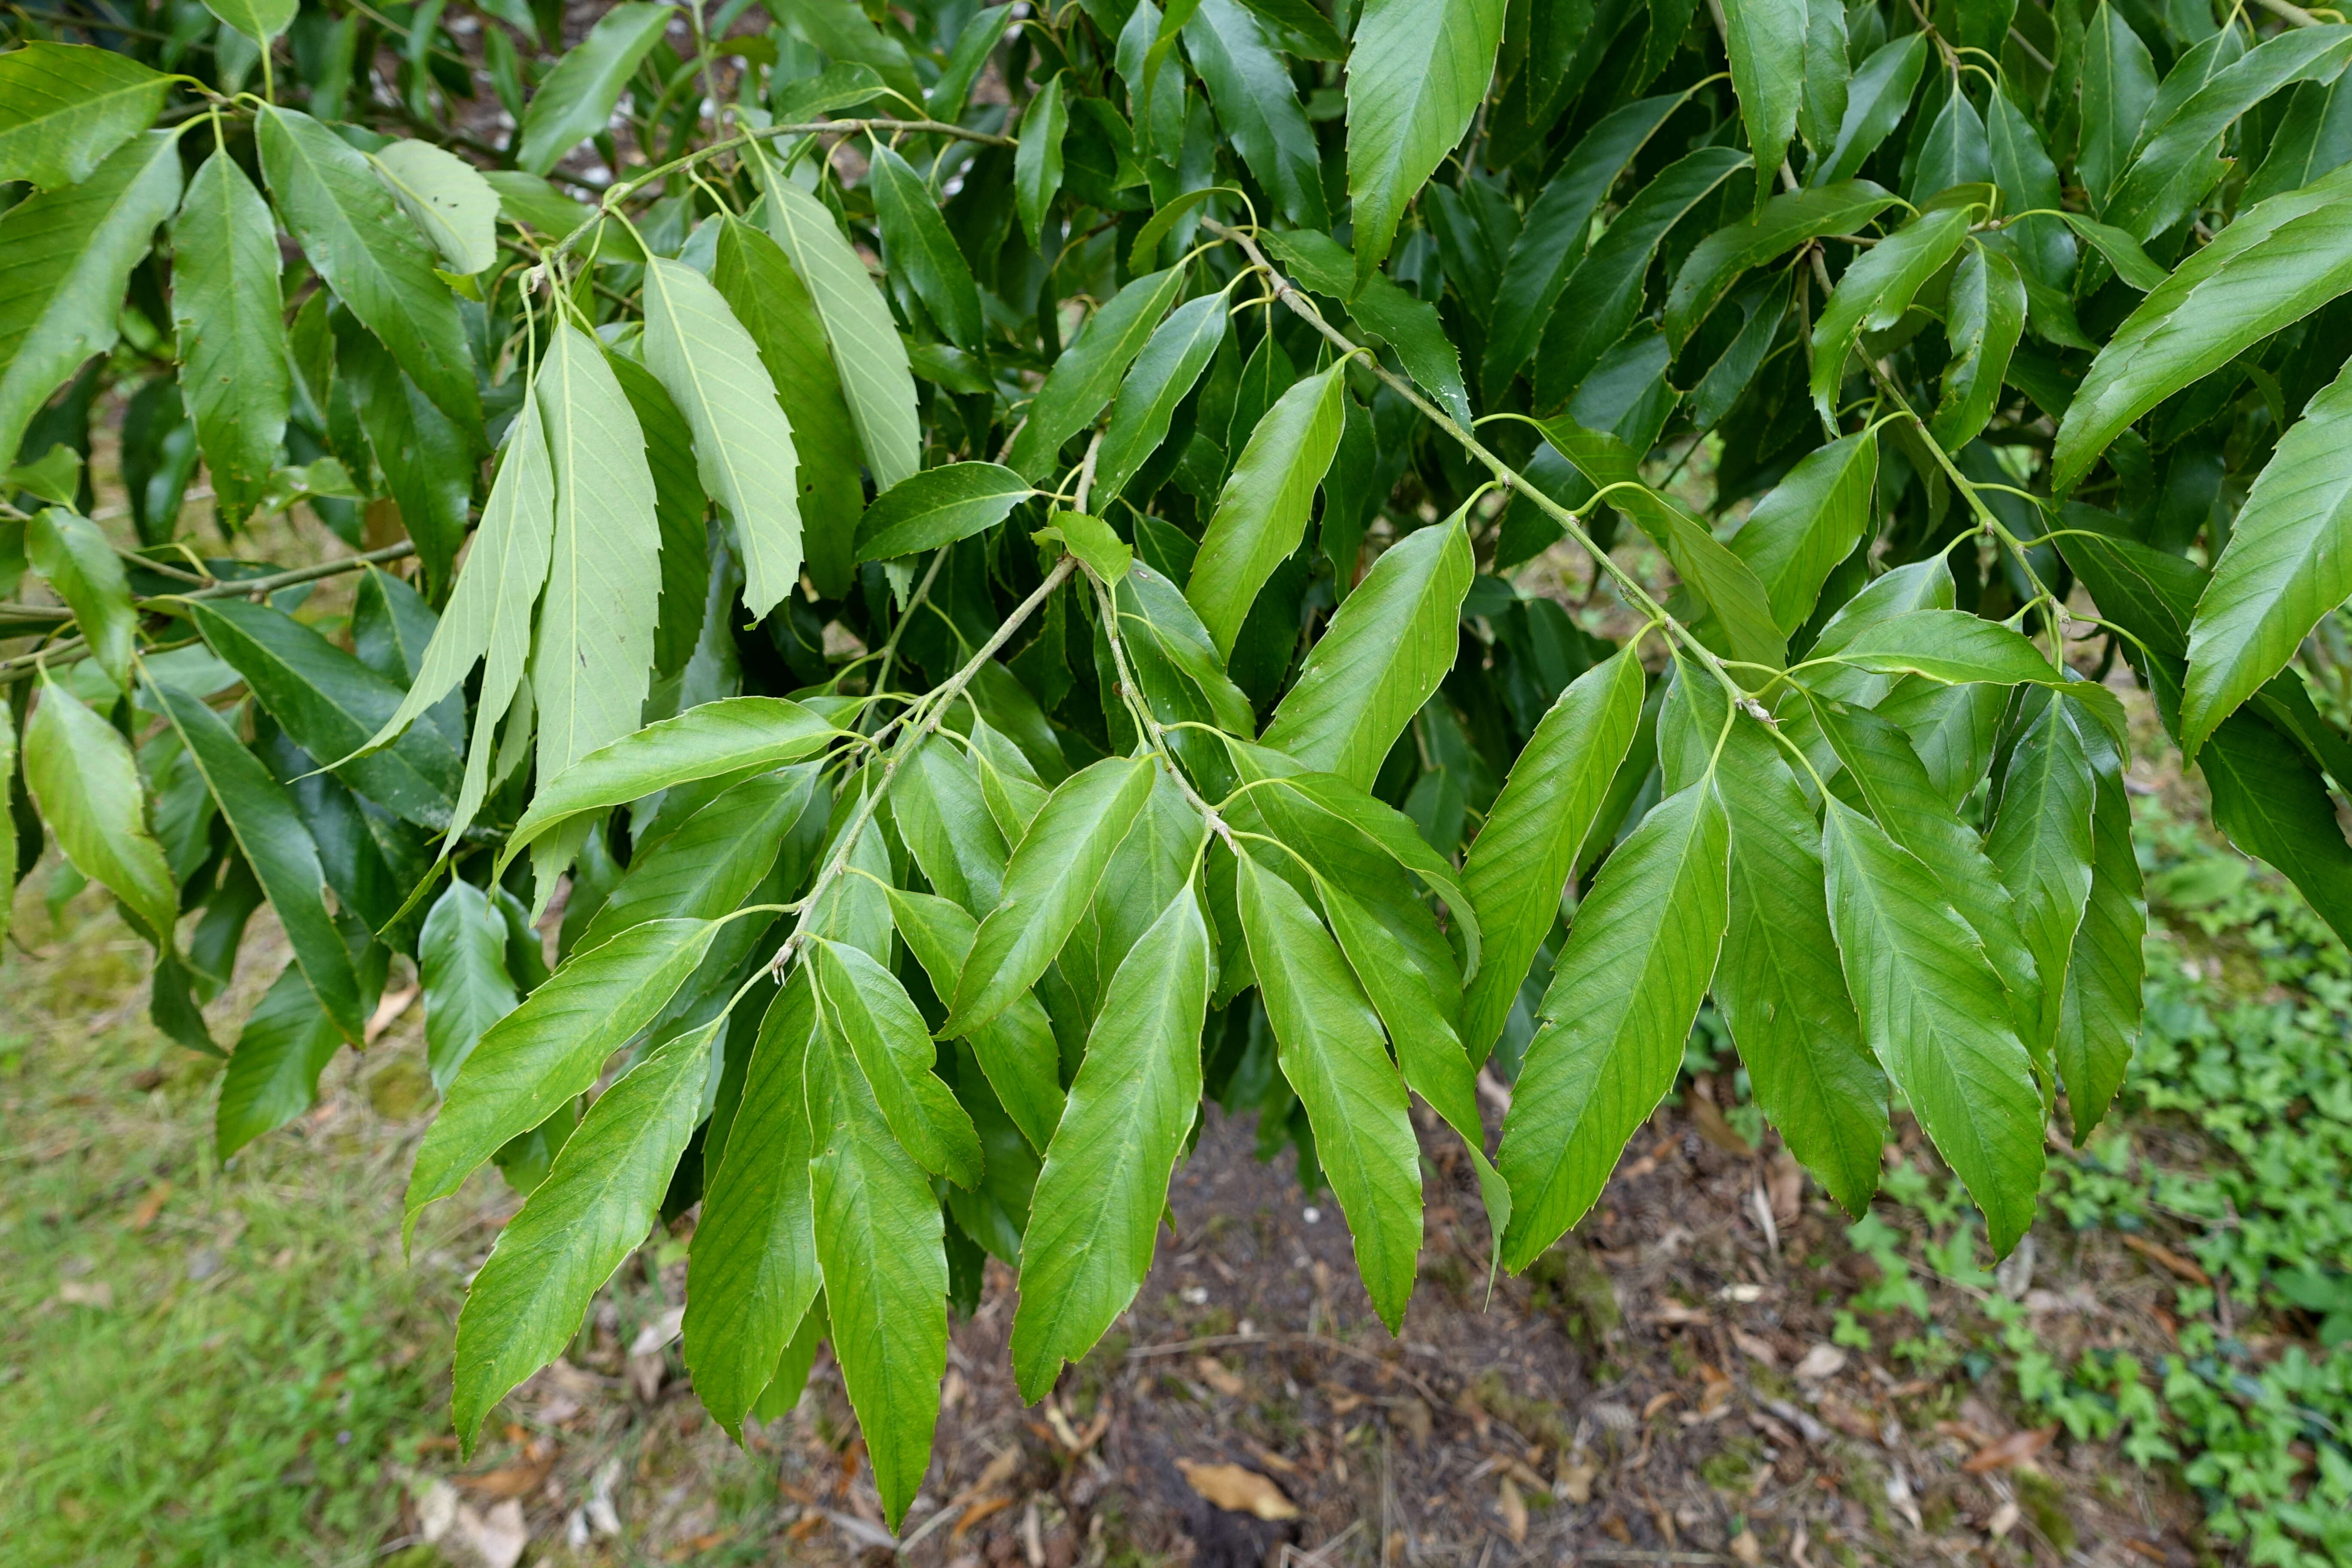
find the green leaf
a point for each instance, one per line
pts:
(1099, 1199)
(2277, 263)
(1987, 316)
(1784, 223)
(1933, 1013)
(1262, 510)
(461, 966)
(868, 353)
(842, 29)
(70, 254)
(1171, 649)
(918, 242)
(1418, 71)
(965, 61)
(591, 663)
(1412, 326)
(732, 735)
(592, 1210)
(577, 99)
(1604, 295)
(1037, 164)
(428, 459)
(1521, 860)
(861, 1004)
(1094, 542)
(937, 506)
(527, 201)
(1877, 289)
(942, 814)
(714, 859)
(1809, 522)
(227, 311)
(1419, 1003)
(2098, 1017)
(448, 200)
(1875, 101)
(9, 851)
(753, 1274)
(2287, 564)
(1306, 31)
(351, 230)
(1048, 885)
(1828, 70)
(2272, 804)
(1016, 1051)
(1256, 101)
(880, 1244)
(65, 108)
(1950, 646)
(1082, 380)
(539, 1057)
(1329, 1047)
(1552, 239)
(1386, 649)
(1623, 992)
(2120, 249)
(1164, 373)
(260, 20)
(82, 776)
(1766, 42)
(329, 704)
(1171, 213)
(81, 566)
(271, 836)
(2119, 84)
(273, 1075)
(2041, 843)
(742, 443)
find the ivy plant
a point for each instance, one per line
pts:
(1004, 567)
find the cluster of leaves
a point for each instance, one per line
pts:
(975, 709)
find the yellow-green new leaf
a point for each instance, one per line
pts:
(70, 550)
(86, 783)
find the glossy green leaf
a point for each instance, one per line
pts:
(1950, 646)
(1417, 72)
(1329, 1047)
(272, 1077)
(1639, 957)
(1262, 512)
(1875, 101)
(2041, 843)
(1250, 86)
(447, 199)
(861, 1004)
(867, 353)
(1766, 42)
(944, 819)
(578, 97)
(1038, 165)
(937, 506)
(1932, 1010)
(1105, 1183)
(919, 244)
(1423, 345)
(226, 309)
(2098, 1017)
(1784, 223)
(2272, 802)
(2120, 251)
(1877, 289)
(1163, 375)
(708, 866)
(1809, 522)
(65, 108)
(1986, 318)
(1525, 852)
(82, 568)
(86, 783)
(1017, 1050)
(1082, 380)
(589, 1214)
(1162, 632)
(461, 967)
(2118, 83)
(1828, 72)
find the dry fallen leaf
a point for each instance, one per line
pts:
(1514, 1509)
(1821, 1361)
(96, 1294)
(1221, 1377)
(1756, 1347)
(150, 1205)
(1718, 1390)
(2166, 1257)
(1238, 1491)
(519, 1479)
(2012, 1449)
(2004, 1519)
(1271, 1460)
(1785, 1185)
(1576, 1478)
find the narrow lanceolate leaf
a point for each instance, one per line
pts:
(272, 1077)
(1099, 1199)
(1809, 522)
(353, 232)
(742, 443)
(1262, 512)
(589, 667)
(1249, 84)
(867, 351)
(1388, 646)
(880, 1248)
(447, 199)
(2287, 564)
(1766, 41)
(1329, 1047)
(938, 506)
(943, 816)
(591, 1212)
(271, 834)
(1782, 224)
(461, 966)
(863, 1004)
(68, 549)
(232, 337)
(578, 97)
(2277, 263)
(2118, 82)
(1416, 74)
(1624, 992)
(65, 258)
(1950, 646)
(1163, 375)
(1875, 292)
(65, 106)
(1418, 1001)
(2040, 842)
(540, 1056)
(713, 860)
(753, 1271)
(1017, 1050)
(918, 242)
(1520, 862)
(86, 783)
(2272, 802)
(1933, 1012)
(2098, 1019)
(1877, 99)
(1048, 886)
(732, 735)
(1986, 317)
(1037, 163)
(1086, 377)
